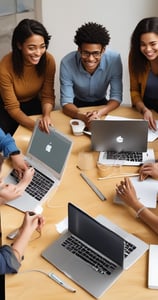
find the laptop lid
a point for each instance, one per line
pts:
(134, 246)
(93, 236)
(47, 153)
(119, 135)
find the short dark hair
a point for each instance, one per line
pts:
(138, 61)
(25, 29)
(92, 33)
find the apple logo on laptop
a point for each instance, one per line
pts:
(49, 147)
(119, 139)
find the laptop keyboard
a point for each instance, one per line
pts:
(98, 263)
(39, 185)
(128, 156)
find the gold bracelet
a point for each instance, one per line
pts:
(139, 211)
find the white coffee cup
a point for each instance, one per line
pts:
(77, 126)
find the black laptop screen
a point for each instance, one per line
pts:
(95, 234)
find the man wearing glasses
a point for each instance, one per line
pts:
(91, 76)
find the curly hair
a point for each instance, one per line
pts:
(92, 33)
(25, 29)
(138, 61)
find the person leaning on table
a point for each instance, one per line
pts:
(127, 193)
(27, 79)
(87, 73)
(143, 68)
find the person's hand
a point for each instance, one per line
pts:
(11, 191)
(148, 169)
(44, 123)
(32, 222)
(19, 164)
(126, 191)
(26, 179)
(149, 117)
(89, 116)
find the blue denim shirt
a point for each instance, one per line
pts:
(7, 143)
(75, 81)
(8, 261)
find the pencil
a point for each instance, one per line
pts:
(119, 176)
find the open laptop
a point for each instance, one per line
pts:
(90, 253)
(47, 154)
(121, 141)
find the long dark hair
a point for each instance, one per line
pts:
(1, 161)
(138, 61)
(23, 31)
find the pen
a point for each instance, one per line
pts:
(93, 187)
(62, 283)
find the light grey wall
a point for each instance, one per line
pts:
(63, 17)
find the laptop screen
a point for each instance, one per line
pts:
(51, 149)
(95, 234)
(119, 135)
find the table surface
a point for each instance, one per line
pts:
(29, 284)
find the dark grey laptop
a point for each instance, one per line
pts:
(89, 253)
(121, 140)
(48, 154)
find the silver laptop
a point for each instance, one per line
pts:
(90, 253)
(48, 154)
(121, 141)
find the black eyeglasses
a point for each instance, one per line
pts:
(86, 54)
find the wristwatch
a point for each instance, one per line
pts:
(15, 152)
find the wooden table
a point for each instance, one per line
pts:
(28, 284)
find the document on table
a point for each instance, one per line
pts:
(146, 192)
(152, 135)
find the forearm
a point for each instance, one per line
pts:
(141, 107)
(46, 109)
(21, 118)
(110, 106)
(149, 218)
(21, 243)
(72, 111)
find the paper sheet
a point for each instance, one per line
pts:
(146, 192)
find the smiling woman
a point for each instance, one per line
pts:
(27, 78)
(143, 68)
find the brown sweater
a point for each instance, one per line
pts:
(14, 89)
(138, 85)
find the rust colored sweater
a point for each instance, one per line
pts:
(14, 89)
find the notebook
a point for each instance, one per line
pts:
(121, 141)
(47, 154)
(90, 253)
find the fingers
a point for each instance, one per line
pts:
(44, 125)
(124, 186)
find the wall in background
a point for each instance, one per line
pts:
(11, 12)
(120, 17)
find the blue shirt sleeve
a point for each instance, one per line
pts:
(8, 261)
(7, 143)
